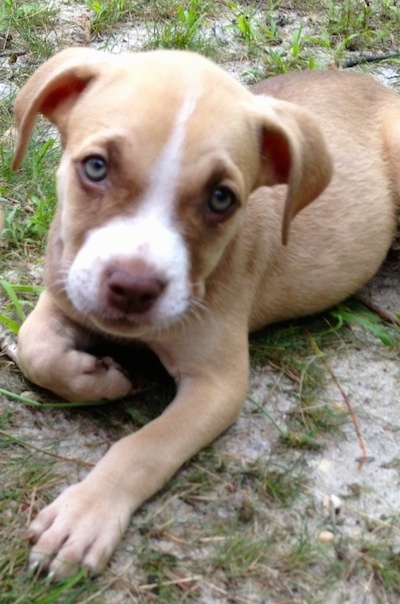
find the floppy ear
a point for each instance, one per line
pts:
(293, 152)
(52, 90)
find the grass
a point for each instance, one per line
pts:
(25, 477)
(105, 15)
(185, 31)
(33, 24)
(226, 527)
(30, 198)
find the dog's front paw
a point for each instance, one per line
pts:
(89, 378)
(50, 355)
(75, 375)
(80, 529)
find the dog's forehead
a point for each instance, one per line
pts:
(149, 90)
(161, 110)
(171, 71)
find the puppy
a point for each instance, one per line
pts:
(177, 192)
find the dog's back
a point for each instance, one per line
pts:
(339, 241)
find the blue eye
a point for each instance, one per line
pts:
(221, 200)
(95, 168)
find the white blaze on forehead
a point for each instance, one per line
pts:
(164, 174)
(149, 236)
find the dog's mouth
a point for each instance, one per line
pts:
(151, 324)
(130, 321)
(141, 325)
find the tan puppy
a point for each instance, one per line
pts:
(167, 233)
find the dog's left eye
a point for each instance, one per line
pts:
(221, 200)
(95, 168)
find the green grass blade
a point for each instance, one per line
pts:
(8, 288)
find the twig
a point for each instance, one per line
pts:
(384, 314)
(179, 581)
(11, 53)
(369, 59)
(8, 344)
(364, 455)
(289, 374)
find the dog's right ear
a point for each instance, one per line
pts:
(52, 90)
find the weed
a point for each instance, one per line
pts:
(358, 25)
(282, 487)
(184, 31)
(244, 23)
(287, 348)
(155, 563)
(253, 26)
(291, 57)
(31, 23)
(241, 554)
(381, 563)
(337, 50)
(355, 313)
(16, 13)
(15, 305)
(29, 195)
(348, 17)
(105, 15)
(24, 474)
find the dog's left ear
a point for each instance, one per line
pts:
(293, 152)
(52, 90)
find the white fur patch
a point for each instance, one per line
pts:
(149, 237)
(135, 239)
(164, 176)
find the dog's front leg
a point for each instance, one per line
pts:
(82, 527)
(50, 354)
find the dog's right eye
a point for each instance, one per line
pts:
(95, 168)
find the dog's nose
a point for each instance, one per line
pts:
(132, 293)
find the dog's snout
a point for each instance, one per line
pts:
(132, 293)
